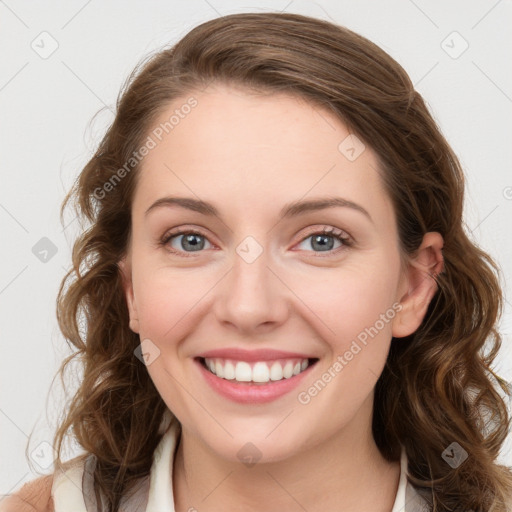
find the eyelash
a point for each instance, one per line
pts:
(339, 235)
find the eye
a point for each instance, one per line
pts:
(184, 241)
(324, 239)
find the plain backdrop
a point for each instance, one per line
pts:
(64, 61)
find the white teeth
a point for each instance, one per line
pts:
(219, 370)
(260, 372)
(276, 371)
(242, 371)
(229, 371)
(288, 370)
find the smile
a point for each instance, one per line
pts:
(254, 382)
(258, 372)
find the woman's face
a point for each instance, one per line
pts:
(259, 275)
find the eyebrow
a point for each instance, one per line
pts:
(292, 209)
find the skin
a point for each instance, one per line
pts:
(34, 496)
(250, 154)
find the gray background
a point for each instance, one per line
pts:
(48, 101)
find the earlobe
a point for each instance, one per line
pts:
(419, 285)
(126, 277)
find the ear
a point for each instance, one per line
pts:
(418, 285)
(126, 276)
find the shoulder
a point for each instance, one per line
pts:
(38, 495)
(34, 496)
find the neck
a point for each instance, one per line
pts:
(346, 472)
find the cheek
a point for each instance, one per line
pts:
(338, 303)
(351, 300)
(168, 300)
(161, 308)
(355, 320)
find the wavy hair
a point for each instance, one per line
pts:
(437, 387)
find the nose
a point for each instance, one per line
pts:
(251, 298)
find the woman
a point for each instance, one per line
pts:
(282, 308)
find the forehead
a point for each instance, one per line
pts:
(239, 149)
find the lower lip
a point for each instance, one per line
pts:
(249, 393)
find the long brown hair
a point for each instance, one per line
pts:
(437, 387)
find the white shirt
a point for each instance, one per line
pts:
(71, 489)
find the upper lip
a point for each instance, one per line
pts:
(262, 354)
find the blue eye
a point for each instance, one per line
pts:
(324, 240)
(192, 240)
(189, 241)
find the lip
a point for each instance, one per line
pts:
(249, 393)
(263, 354)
